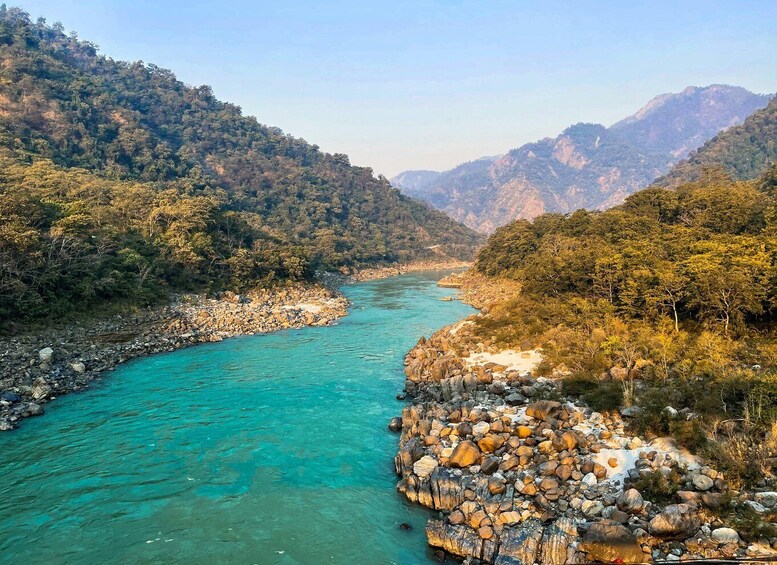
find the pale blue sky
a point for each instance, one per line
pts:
(431, 83)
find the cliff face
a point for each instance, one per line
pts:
(586, 166)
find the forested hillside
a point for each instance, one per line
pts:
(667, 300)
(745, 151)
(119, 181)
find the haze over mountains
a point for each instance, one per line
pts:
(588, 165)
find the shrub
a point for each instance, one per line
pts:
(659, 488)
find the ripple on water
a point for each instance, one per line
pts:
(261, 449)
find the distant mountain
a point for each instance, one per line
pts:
(414, 181)
(588, 165)
(744, 151)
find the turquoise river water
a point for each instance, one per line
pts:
(259, 449)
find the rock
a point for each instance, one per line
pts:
(481, 428)
(713, 500)
(405, 526)
(485, 532)
(459, 540)
(767, 499)
(457, 517)
(725, 535)
(34, 409)
(702, 482)
(563, 472)
(675, 521)
(409, 454)
(46, 355)
(608, 542)
(590, 480)
(490, 466)
(523, 432)
(424, 466)
(491, 443)
(466, 453)
(559, 542)
(78, 367)
(515, 399)
(755, 506)
(40, 389)
(541, 409)
(519, 546)
(631, 501)
(10, 396)
(592, 508)
(509, 518)
(568, 440)
(548, 484)
(496, 486)
(395, 425)
(630, 411)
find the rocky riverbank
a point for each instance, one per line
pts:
(522, 474)
(404, 268)
(37, 367)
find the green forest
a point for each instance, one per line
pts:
(743, 151)
(119, 182)
(667, 300)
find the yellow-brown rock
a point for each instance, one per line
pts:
(466, 453)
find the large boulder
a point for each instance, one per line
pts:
(631, 501)
(424, 466)
(466, 453)
(542, 409)
(678, 521)
(46, 355)
(460, 540)
(519, 546)
(409, 454)
(560, 542)
(725, 536)
(10, 396)
(40, 389)
(610, 542)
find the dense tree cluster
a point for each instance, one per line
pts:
(667, 300)
(704, 253)
(120, 181)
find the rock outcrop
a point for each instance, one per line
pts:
(522, 474)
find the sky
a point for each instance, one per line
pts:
(429, 84)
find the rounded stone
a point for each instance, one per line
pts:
(464, 454)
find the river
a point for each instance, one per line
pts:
(259, 449)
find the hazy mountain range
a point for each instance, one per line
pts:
(587, 165)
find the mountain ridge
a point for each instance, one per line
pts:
(587, 165)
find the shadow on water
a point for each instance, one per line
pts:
(261, 449)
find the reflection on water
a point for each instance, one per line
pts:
(262, 449)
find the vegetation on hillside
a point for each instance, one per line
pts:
(745, 151)
(118, 181)
(668, 300)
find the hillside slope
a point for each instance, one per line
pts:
(588, 165)
(744, 152)
(218, 197)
